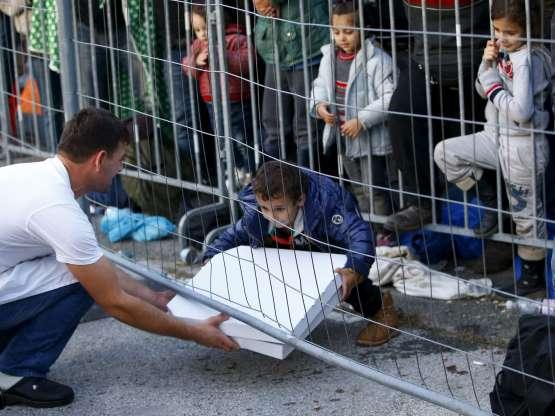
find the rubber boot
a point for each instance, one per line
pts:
(488, 224)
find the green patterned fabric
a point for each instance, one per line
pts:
(146, 39)
(43, 35)
(147, 42)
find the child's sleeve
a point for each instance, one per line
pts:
(319, 92)
(234, 236)
(238, 56)
(381, 79)
(188, 64)
(519, 106)
(355, 235)
(477, 84)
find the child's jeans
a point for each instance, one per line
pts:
(241, 133)
(463, 158)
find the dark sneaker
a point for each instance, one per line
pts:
(38, 392)
(409, 219)
(532, 279)
(488, 225)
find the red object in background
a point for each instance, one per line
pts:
(12, 104)
(439, 4)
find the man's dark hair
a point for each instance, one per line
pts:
(276, 179)
(91, 130)
(346, 7)
(515, 11)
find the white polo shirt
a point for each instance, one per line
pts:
(42, 227)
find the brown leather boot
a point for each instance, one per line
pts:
(377, 332)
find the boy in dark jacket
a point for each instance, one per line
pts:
(288, 208)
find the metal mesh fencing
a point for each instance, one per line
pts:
(383, 110)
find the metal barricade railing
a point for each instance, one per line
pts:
(132, 56)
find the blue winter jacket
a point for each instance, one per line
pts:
(331, 217)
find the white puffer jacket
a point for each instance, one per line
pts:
(369, 104)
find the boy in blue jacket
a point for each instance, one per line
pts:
(288, 208)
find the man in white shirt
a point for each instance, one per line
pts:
(52, 269)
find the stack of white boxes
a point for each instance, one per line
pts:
(290, 290)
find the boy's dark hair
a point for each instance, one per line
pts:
(90, 130)
(276, 179)
(515, 11)
(346, 7)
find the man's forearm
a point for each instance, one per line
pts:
(142, 315)
(135, 288)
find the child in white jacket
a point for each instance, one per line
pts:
(351, 95)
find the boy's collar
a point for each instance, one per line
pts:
(298, 224)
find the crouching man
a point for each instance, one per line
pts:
(52, 269)
(288, 208)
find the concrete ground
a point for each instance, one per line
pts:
(445, 346)
(117, 370)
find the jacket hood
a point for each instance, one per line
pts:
(368, 44)
(234, 29)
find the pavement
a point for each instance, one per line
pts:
(451, 347)
(117, 370)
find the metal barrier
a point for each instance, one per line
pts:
(131, 63)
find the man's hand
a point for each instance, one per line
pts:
(324, 114)
(202, 58)
(491, 51)
(350, 279)
(161, 299)
(265, 8)
(351, 128)
(209, 334)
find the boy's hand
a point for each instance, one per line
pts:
(351, 128)
(324, 114)
(491, 51)
(350, 278)
(202, 58)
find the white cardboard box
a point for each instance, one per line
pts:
(290, 290)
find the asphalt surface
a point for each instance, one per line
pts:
(450, 347)
(117, 370)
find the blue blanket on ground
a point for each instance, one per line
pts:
(119, 224)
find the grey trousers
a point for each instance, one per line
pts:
(295, 117)
(463, 159)
(358, 170)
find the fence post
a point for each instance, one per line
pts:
(4, 110)
(68, 63)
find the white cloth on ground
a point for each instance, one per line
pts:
(412, 278)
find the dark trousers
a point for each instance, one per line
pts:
(295, 117)
(35, 330)
(242, 133)
(365, 298)
(409, 133)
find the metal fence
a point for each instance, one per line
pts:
(201, 130)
